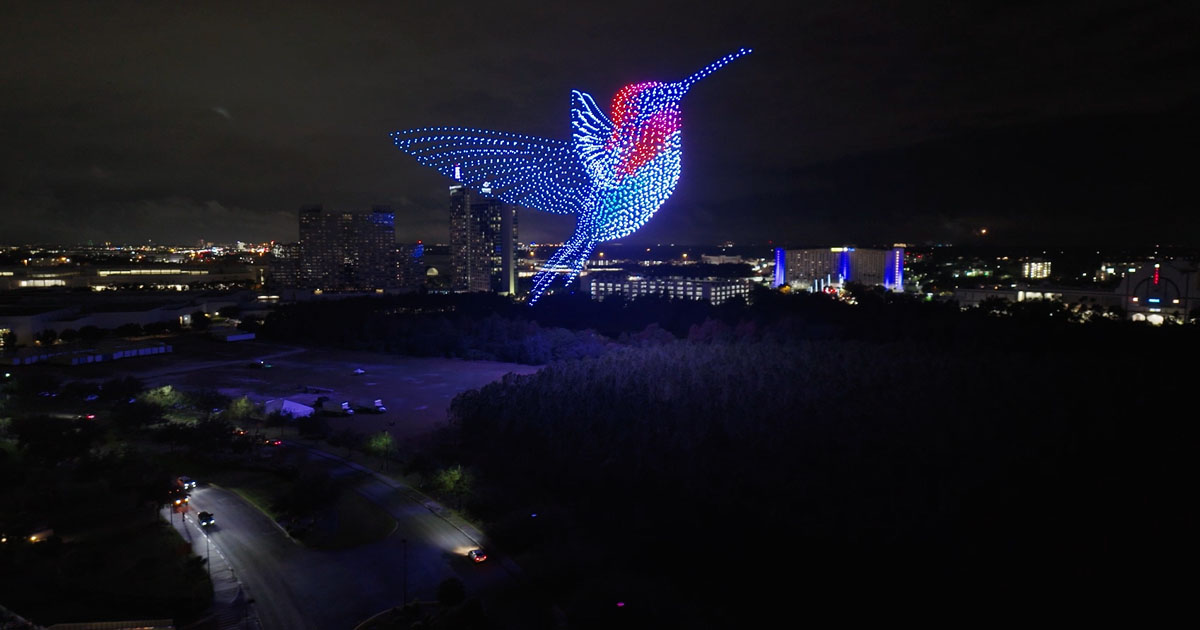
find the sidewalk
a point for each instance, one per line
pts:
(231, 607)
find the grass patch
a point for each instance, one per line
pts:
(350, 522)
(345, 520)
(264, 490)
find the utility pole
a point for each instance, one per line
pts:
(404, 565)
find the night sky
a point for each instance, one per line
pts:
(852, 122)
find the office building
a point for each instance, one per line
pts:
(712, 290)
(411, 264)
(347, 251)
(483, 242)
(1035, 269)
(284, 268)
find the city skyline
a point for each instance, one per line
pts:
(856, 123)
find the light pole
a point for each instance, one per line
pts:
(404, 569)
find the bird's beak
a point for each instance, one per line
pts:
(686, 84)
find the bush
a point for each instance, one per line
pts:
(451, 592)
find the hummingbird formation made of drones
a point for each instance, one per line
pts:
(613, 174)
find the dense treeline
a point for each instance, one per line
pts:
(710, 482)
(705, 464)
(573, 326)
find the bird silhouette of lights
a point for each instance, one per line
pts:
(613, 174)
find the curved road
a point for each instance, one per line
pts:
(296, 588)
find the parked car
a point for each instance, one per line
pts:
(379, 406)
(206, 519)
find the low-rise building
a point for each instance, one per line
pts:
(713, 290)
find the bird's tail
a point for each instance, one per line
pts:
(568, 261)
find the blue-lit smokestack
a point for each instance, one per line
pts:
(893, 273)
(780, 268)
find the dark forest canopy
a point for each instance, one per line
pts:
(481, 326)
(678, 454)
(712, 483)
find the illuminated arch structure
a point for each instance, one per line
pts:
(614, 172)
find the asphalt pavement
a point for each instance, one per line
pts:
(286, 586)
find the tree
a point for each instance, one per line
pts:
(136, 414)
(199, 320)
(451, 592)
(128, 330)
(91, 333)
(454, 481)
(156, 328)
(164, 396)
(240, 409)
(380, 444)
(47, 337)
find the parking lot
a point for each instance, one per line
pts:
(416, 391)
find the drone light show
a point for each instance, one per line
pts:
(614, 173)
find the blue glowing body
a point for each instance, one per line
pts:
(613, 174)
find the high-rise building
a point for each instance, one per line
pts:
(284, 268)
(348, 250)
(411, 265)
(483, 242)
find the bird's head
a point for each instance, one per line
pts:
(646, 115)
(680, 88)
(644, 99)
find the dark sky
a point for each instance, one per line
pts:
(852, 122)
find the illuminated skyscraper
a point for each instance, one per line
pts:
(483, 241)
(284, 268)
(347, 251)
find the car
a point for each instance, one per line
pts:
(478, 555)
(206, 519)
(379, 407)
(185, 482)
(178, 497)
(347, 409)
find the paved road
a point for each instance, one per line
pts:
(231, 609)
(296, 588)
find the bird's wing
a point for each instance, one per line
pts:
(591, 136)
(538, 173)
